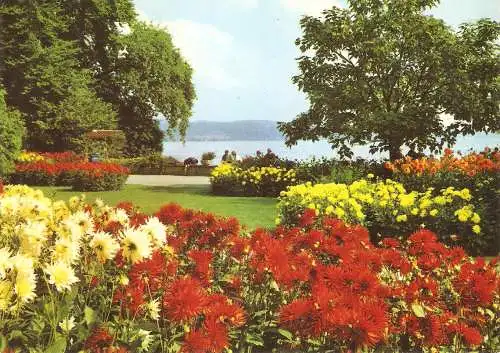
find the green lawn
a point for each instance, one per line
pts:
(251, 211)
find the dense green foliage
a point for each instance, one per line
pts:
(108, 145)
(152, 164)
(383, 73)
(11, 133)
(72, 63)
(80, 112)
(160, 82)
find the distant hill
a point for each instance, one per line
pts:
(241, 130)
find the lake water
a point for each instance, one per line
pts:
(302, 150)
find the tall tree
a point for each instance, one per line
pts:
(381, 72)
(140, 71)
(42, 73)
(97, 26)
(77, 114)
(26, 28)
(54, 50)
(152, 80)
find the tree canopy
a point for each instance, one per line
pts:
(58, 56)
(382, 72)
(151, 78)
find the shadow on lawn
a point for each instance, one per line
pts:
(179, 189)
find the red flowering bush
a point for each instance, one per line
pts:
(38, 173)
(334, 290)
(97, 176)
(327, 286)
(197, 230)
(82, 176)
(63, 157)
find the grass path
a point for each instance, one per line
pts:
(251, 211)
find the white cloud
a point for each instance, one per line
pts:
(213, 53)
(309, 7)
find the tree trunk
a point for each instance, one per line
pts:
(395, 152)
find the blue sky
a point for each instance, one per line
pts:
(243, 51)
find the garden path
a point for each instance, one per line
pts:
(167, 180)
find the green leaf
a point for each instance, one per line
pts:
(287, 334)
(254, 340)
(3, 343)
(16, 334)
(59, 345)
(90, 315)
(490, 313)
(259, 313)
(418, 310)
(275, 286)
(176, 347)
(314, 342)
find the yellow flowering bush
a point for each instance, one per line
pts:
(230, 179)
(387, 209)
(27, 157)
(47, 248)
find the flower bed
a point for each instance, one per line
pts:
(230, 179)
(478, 172)
(470, 164)
(68, 169)
(94, 278)
(82, 176)
(388, 209)
(53, 157)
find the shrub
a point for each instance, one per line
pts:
(388, 209)
(11, 135)
(82, 176)
(39, 173)
(154, 164)
(208, 156)
(337, 171)
(98, 177)
(265, 160)
(478, 172)
(225, 179)
(105, 143)
(229, 179)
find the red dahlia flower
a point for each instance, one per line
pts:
(184, 300)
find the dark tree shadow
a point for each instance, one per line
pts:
(178, 189)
